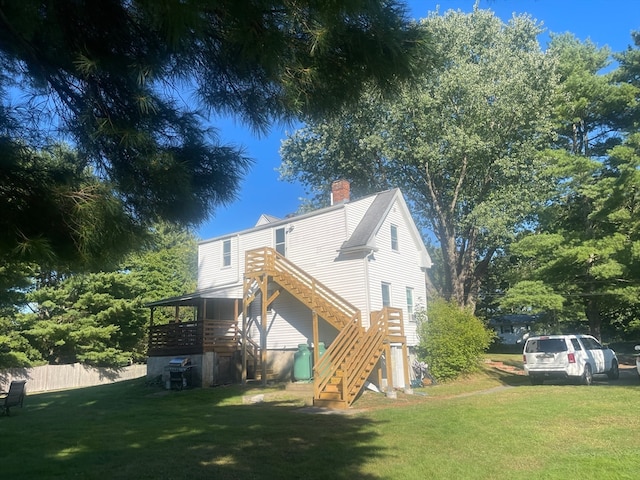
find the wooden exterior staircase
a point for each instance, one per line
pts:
(342, 371)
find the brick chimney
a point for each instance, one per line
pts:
(340, 191)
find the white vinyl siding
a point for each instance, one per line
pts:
(212, 270)
(290, 323)
(312, 242)
(398, 269)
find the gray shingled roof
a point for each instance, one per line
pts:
(365, 232)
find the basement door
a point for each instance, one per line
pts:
(397, 364)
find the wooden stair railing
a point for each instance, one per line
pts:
(312, 293)
(342, 371)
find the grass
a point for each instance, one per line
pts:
(475, 428)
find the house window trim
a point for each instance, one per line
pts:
(227, 255)
(276, 244)
(382, 291)
(395, 244)
(411, 304)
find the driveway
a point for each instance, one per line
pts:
(628, 376)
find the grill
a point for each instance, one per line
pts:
(179, 373)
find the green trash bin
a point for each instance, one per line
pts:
(321, 350)
(302, 364)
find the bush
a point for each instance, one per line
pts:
(452, 340)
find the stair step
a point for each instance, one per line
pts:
(334, 404)
(329, 396)
(331, 388)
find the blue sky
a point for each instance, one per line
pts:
(604, 22)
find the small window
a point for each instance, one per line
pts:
(226, 253)
(410, 311)
(394, 238)
(386, 294)
(280, 241)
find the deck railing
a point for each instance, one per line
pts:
(184, 338)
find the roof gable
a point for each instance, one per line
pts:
(364, 235)
(266, 219)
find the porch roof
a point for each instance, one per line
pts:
(194, 299)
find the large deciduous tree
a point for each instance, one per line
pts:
(464, 144)
(131, 84)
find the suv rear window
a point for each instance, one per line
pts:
(546, 345)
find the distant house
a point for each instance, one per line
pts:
(514, 329)
(349, 276)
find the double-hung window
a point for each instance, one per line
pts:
(394, 238)
(410, 308)
(280, 241)
(226, 253)
(386, 294)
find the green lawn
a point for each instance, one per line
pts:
(492, 425)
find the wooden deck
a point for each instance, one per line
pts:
(188, 338)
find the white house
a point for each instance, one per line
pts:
(317, 272)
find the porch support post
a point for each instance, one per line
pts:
(316, 338)
(263, 333)
(244, 339)
(150, 340)
(387, 352)
(405, 362)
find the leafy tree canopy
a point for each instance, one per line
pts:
(587, 246)
(464, 144)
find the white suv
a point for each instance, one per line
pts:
(568, 356)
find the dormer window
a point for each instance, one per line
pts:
(280, 243)
(394, 238)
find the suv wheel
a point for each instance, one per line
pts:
(587, 375)
(614, 373)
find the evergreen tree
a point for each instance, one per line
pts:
(131, 85)
(585, 245)
(99, 318)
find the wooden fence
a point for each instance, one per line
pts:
(62, 377)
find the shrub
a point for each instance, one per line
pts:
(452, 340)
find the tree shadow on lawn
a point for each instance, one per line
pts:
(121, 431)
(509, 378)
